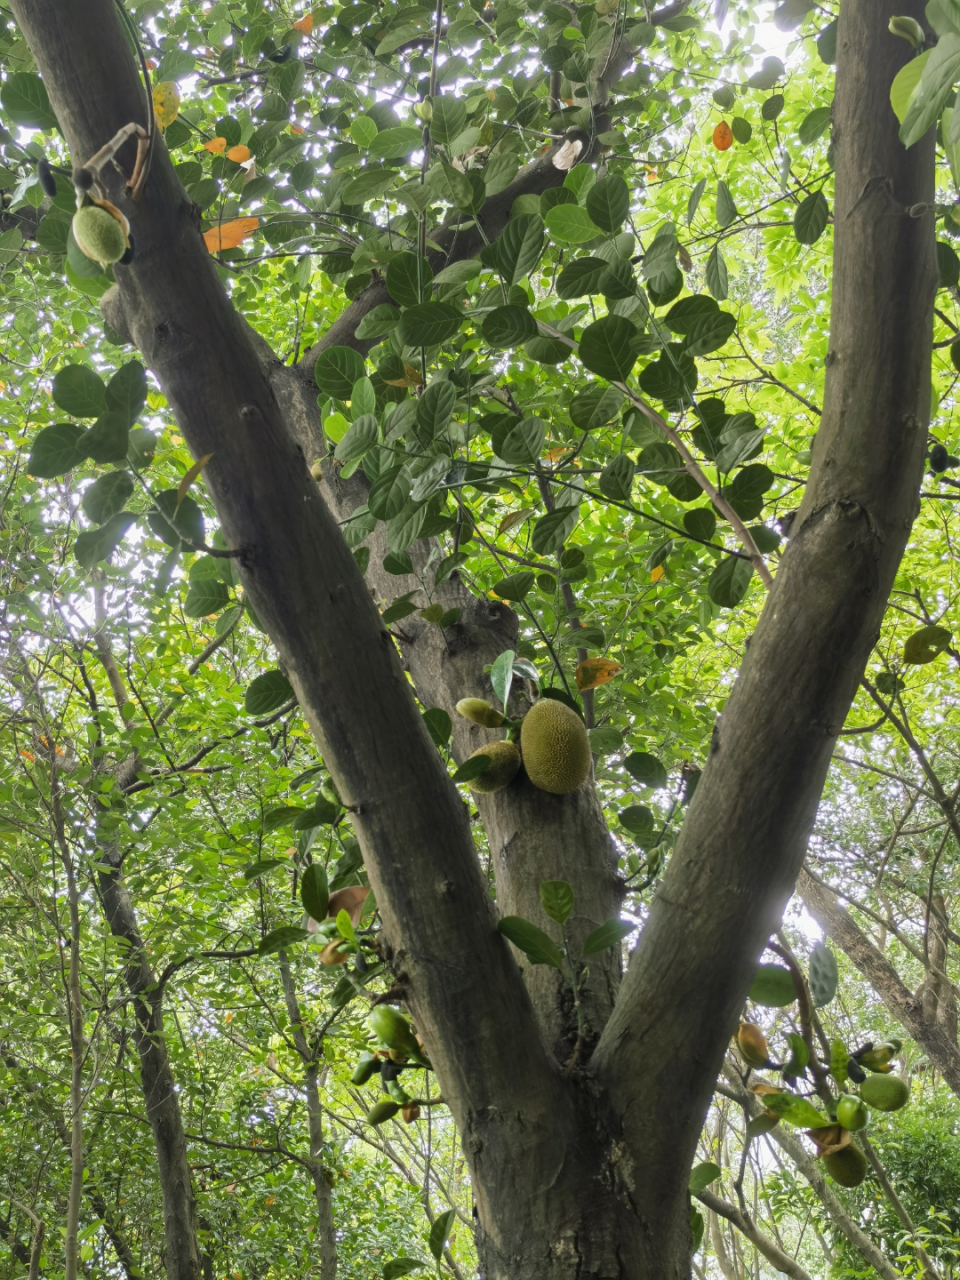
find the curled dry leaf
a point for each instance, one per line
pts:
(228, 235)
(191, 475)
(216, 146)
(332, 954)
(831, 1138)
(595, 672)
(350, 900)
(238, 154)
(514, 517)
(304, 24)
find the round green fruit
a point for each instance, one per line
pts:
(885, 1093)
(98, 234)
(848, 1166)
(851, 1113)
(382, 1111)
(555, 747)
(393, 1030)
(503, 768)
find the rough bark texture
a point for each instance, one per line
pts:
(900, 1002)
(575, 1179)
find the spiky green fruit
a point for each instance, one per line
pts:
(848, 1166)
(555, 747)
(99, 235)
(503, 768)
(885, 1093)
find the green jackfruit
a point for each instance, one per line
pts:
(555, 747)
(503, 768)
(885, 1093)
(851, 1113)
(99, 234)
(848, 1166)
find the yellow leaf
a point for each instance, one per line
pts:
(191, 475)
(166, 102)
(657, 574)
(304, 24)
(594, 672)
(514, 517)
(553, 454)
(238, 153)
(215, 146)
(229, 234)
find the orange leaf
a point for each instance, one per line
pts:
(295, 128)
(239, 153)
(657, 574)
(151, 65)
(191, 475)
(723, 136)
(229, 234)
(304, 24)
(514, 517)
(553, 454)
(595, 672)
(413, 376)
(215, 146)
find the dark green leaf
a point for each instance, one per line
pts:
(581, 277)
(696, 195)
(773, 106)
(440, 1232)
(707, 333)
(701, 522)
(616, 478)
(697, 1227)
(428, 324)
(79, 391)
(107, 496)
(266, 693)
(472, 768)
(716, 274)
(571, 224)
(672, 377)
(824, 976)
(24, 99)
(379, 321)
(56, 450)
(358, 440)
(279, 939)
(314, 891)
(258, 869)
(683, 313)
(637, 819)
(773, 986)
(948, 265)
(646, 769)
(814, 124)
(409, 279)
(448, 120)
(521, 442)
(609, 347)
(827, 43)
(98, 544)
(126, 392)
(519, 246)
(608, 935)
(398, 1267)
(337, 369)
(726, 209)
(435, 408)
(608, 202)
(509, 327)
(728, 583)
(205, 597)
(810, 219)
(389, 493)
(515, 586)
(741, 129)
(595, 406)
(398, 563)
(399, 609)
(701, 1175)
(745, 492)
(533, 942)
(108, 439)
(438, 725)
(501, 675)
(552, 530)
(322, 812)
(556, 898)
(141, 446)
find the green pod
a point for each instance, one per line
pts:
(397, 1092)
(393, 1030)
(382, 1111)
(364, 1069)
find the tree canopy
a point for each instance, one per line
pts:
(574, 357)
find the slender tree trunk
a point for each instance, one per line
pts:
(323, 1193)
(75, 1010)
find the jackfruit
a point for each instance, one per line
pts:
(480, 712)
(503, 768)
(99, 235)
(848, 1166)
(885, 1093)
(555, 747)
(851, 1113)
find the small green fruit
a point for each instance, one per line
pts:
(907, 29)
(393, 1030)
(382, 1111)
(848, 1166)
(555, 747)
(364, 1069)
(99, 235)
(851, 1113)
(885, 1093)
(480, 712)
(503, 768)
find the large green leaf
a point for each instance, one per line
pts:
(337, 369)
(646, 769)
(729, 581)
(581, 277)
(126, 392)
(608, 935)
(79, 391)
(435, 409)
(552, 530)
(716, 274)
(205, 597)
(537, 946)
(428, 324)
(520, 444)
(571, 224)
(287, 935)
(824, 975)
(940, 73)
(773, 986)
(389, 493)
(556, 898)
(107, 496)
(519, 246)
(707, 333)
(609, 347)
(810, 219)
(409, 278)
(56, 450)
(608, 202)
(361, 437)
(98, 544)
(109, 438)
(266, 693)
(508, 326)
(24, 99)
(449, 119)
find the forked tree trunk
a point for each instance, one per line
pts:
(581, 1177)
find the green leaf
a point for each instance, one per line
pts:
(799, 1054)
(370, 184)
(683, 313)
(429, 323)
(322, 812)
(379, 321)
(693, 204)
(581, 277)
(552, 530)
(448, 120)
(440, 1232)
(824, 976)
(520, 444)
(172, 520)
(24, 99)
(533, 942)
(827, 43)
(728, 583)
(337, 369)
(409, 279)
(810, 219)
(646, 769)
(773, 106)
(701, 1175)
(393, 144)
(726, 209)
(518, 247)
(126, 392)
(438, 725)
(401, 608)
(773, 986)
(79, 391)
(697, 1227)
(741, 129)
(98, 544)
(939, 74)
(616, 478)
(716, 274)
(435, 408)
(571, 224)
(556, 898)
(814, 124)
(609, 347)
(359, 439)
(501, 675)
(398, 1267)
(906, 82)
(745, 492)
(701, 522)
(205, 597)
(637, 819)
(595, 406)
(707, 333)
(509, 326)
(515, 586)
(266, 693)
(608, 202)
(672, 377)
(108, 439)
(258, 869)
(796, 1111)
(314, 891)
(107, 496)
(389, 493)
(279, 939)
(53, 232)
(56, 450)
(609, 934)
(948, 265)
